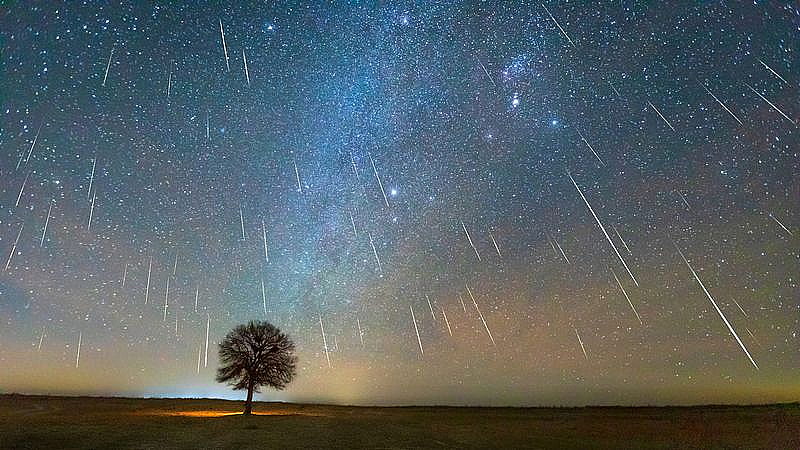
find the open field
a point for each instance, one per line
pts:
(80, 422)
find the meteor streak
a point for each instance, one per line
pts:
(781, 225)
(378, 260)
(380, 183)
(661, 115)
(14, 247)
(772, 105)
(470, 240)
(626, 296)
(559, 26)
(602, 228)
(108, 66)
(722, 104)
(324, 342)
(78, 354)
(147, 289)
(719, 311)
(481, 315)
(447, 322)
(770, 69)
(47, 221)
(224, 47)
(590, 147)
(495, 245)
(581, 342)
(414, 319)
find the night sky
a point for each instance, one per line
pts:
(397, 160)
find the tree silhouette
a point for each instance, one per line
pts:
(254, 355)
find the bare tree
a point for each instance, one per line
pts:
(254, 355)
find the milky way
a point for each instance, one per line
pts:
(522, 178)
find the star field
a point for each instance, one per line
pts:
(373, 160)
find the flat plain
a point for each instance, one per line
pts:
(43, 422)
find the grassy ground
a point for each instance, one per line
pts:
(67, 423)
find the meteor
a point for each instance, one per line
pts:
(481, 315)
(559, 26)
(147, 289)
(626, 295)
(324, 342)
(430, 306)
(47, 221)
(224, 47)
(470, 240)
(14, 247)
(78, 354)
(719, 311)
(722, 104)
(414, 319)
(264, 232)
(661, 115)
(602, 228)
(246, 72)
(580, 341)
(208, 325)
(770, 69)
(22, 188)
(590, 147)
(447, 322)
(386, 200)
(375, 252)
(495, 245)
(108, 66)
(781, 225)
(772, 105)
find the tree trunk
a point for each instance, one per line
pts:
(248, 404)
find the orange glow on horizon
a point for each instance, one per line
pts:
(211, 413)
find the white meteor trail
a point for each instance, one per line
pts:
(241, 219)
(719, 311)
(91, 212)
(414, 319)
(208, 326)
(46, 221)
(614, 89)
(224, 47)
(14, 247)
(772, 105)
(496, 247)
(353, 222)
(447, 322)
(208, 126)
(559, 26)
(722, 104)
(580, 341)
(624, 244)
(470, 240)
(380, 183)
(124, 274)
(264, 297)
(562, 251)
(661, 115)
(360, 332)
(78, 354)
(781, 225)
(378, 260)
(196, 296)
(297, 174)
(481, 315)
(91, 179)
(147, 289)
(34, 143)
(486, 72)
(108, 66)
(590, 147)
(199, 355)
(770, 69)
(22, 188)
(740, 309)
(166, 300)
(246, 72)
(264, 234)
(684, 200)
(169, 84)
(603, 229)
(463, 306)
(430, 306)
(626, 296)
(41, 338)
(175, 265)
(324, 342)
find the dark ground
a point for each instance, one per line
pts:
(34, 422)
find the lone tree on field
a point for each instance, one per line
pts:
(254, 355)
